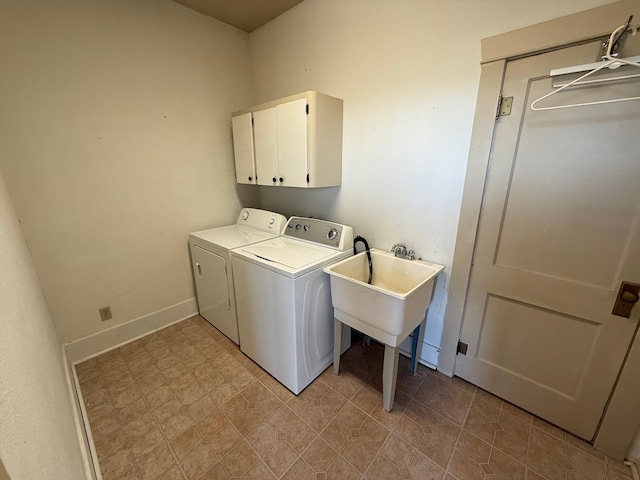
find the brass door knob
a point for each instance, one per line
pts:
(626, 299)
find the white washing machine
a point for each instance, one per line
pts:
(212, 269)
(285, 315)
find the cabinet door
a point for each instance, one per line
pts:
(292, 143)
(265, 131)
(243, 149)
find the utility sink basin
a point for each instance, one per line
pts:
(388, 309)
(393, 305)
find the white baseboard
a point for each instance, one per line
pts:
(105, 340)
(445, 372)
(428, 354)
(80, 420)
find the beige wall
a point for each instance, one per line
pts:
(408, 72)
(38, 438)
(115, 143)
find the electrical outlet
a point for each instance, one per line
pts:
(105, 313)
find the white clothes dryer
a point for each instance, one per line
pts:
(212, 269)
(285, 315)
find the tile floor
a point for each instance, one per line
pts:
(185, 403)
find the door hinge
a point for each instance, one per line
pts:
(307, 109)
(307, 178)
(462, 348)
(504, 106)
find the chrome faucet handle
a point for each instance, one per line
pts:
(399, 250)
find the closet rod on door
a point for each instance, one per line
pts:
(611, 62)
(601, 80)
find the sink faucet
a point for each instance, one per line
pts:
(400, 251)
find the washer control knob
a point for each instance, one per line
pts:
(306, 228)
(245, 215)
(333, 233)
(298, 226)
(272, 221)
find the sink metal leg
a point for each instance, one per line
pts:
(414, 349)
(389, 376)
(338, 330)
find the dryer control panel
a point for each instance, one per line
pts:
(263, 220)
(322, 232)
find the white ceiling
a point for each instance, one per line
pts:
(246, 15)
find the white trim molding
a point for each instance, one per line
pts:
(100, 342)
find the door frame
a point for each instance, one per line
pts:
(562, 32)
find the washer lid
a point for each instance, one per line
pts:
(232, 236)
(290, 253)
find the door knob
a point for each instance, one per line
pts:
(626, 299)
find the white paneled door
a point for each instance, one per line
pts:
(559, 231)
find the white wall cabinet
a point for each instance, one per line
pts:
(265, 135)
(280, 135)
(295, 142)
(243, 148)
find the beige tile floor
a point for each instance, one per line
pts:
(185, 403)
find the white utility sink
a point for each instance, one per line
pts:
(388, 309)
(393, 305)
